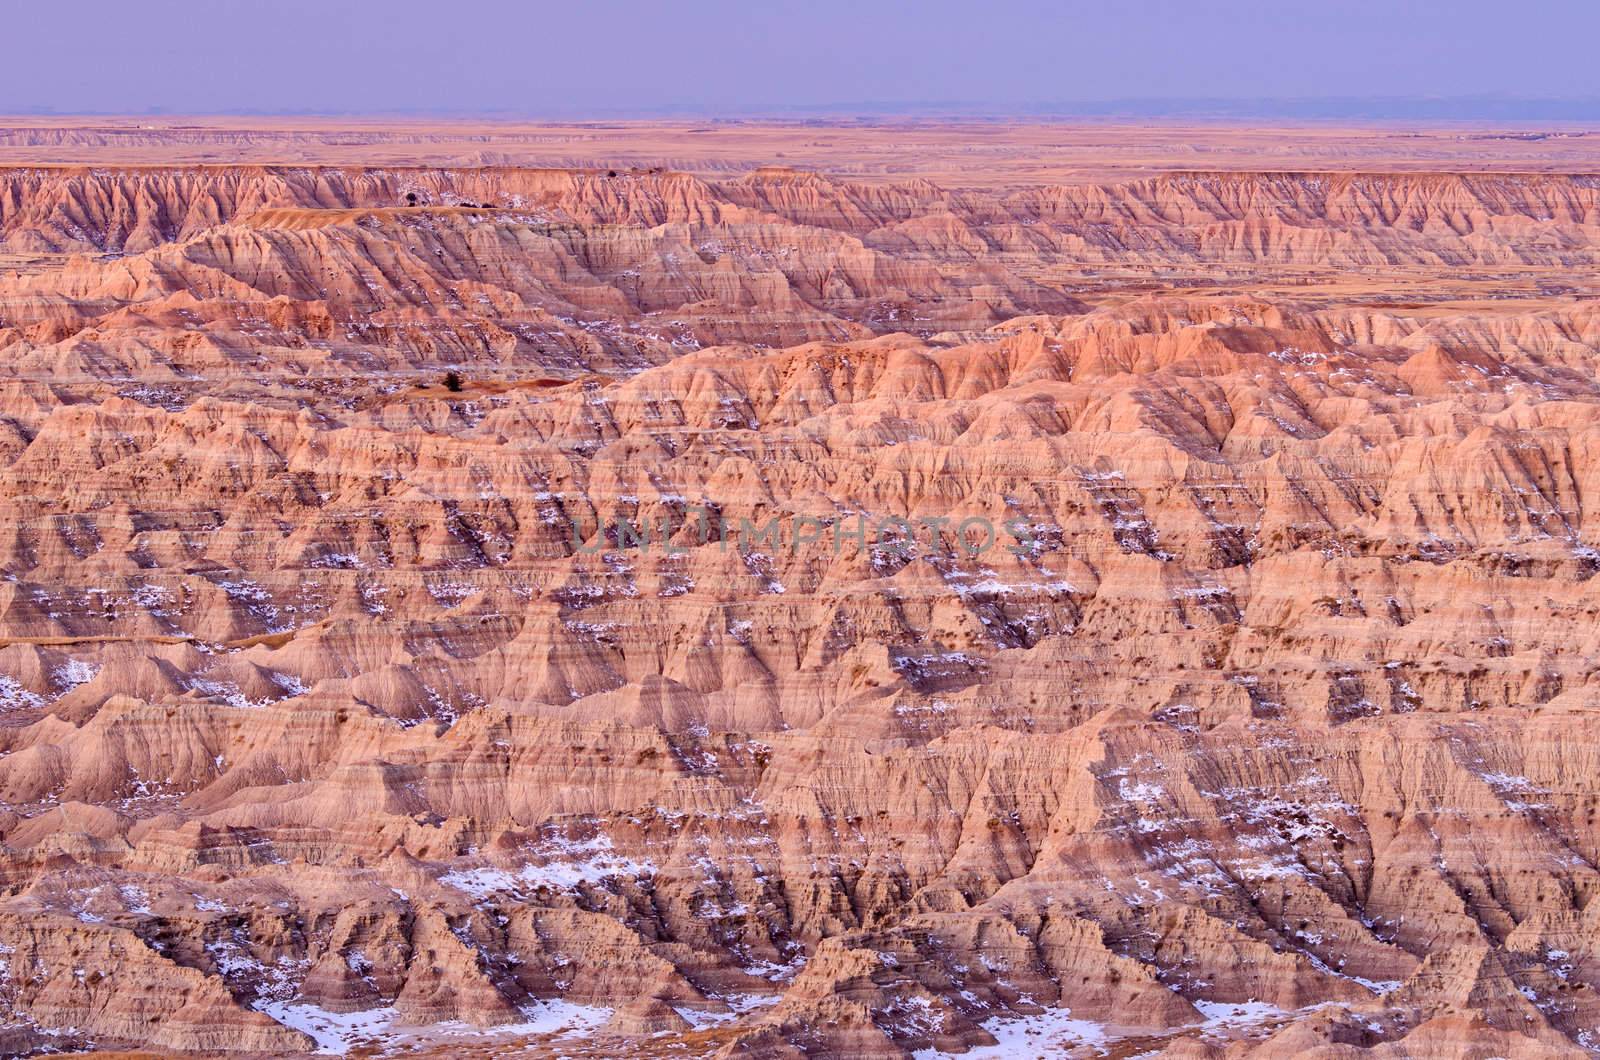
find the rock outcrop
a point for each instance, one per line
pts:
(779, 616)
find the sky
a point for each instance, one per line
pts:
(536, 58)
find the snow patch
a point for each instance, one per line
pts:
(569, 865)
(1037, 1035)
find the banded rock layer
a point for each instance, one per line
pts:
(344, 707)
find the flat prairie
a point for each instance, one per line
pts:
(973, 153)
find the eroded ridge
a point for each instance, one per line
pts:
(339, 711)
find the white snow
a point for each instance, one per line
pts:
(555, 1015)
(568, 865)
(1377, 986)
(334, 1032)
(75, 672)
(1038, 1035)
(1240, 1014)
(135, 898)
(289, 683)
(1141, 791)
(15, 697)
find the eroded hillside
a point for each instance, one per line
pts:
(343, 708)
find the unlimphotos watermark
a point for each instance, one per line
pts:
(890, 535)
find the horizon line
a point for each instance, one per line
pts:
(1317, 108)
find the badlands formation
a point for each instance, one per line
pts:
(337, 715)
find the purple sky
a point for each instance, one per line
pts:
(568, 59)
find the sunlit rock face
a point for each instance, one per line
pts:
(609, 612)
